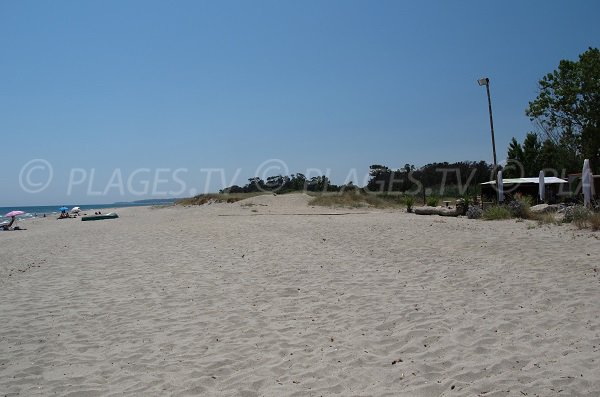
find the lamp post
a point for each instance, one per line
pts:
(486, 82)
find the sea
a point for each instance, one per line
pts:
(50, 210)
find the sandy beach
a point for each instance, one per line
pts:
(272, 297)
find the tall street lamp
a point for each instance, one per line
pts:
(486, 82)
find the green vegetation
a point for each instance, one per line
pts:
(286, 184)
(358, 200)
(216, 198)
(432, 201)
(464, 202)
(582, 217)
(577, 215)
(520, 207)
(447, 179)
(594, 221)
(409, 201)
(496, 212)
(547, 218)
(451, 179)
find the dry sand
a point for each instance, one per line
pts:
(269, 298)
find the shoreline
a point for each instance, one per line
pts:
(50, 211)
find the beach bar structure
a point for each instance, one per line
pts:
(553, 188)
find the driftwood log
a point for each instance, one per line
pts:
(443, 211)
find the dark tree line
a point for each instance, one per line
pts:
(533, 155)
(409, 179)
(284, 183)
(463, 175)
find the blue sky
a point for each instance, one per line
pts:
(99, 90)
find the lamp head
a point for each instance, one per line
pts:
(483, 81)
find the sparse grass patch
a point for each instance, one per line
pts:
(496, 212)
(216, 198)
(595, 221)
(546, 219)
(587, 219)
(581, 216)
(357, 200)
(409, 201)
(520, 207)
(159, 206)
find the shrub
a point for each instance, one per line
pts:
(568, 215)
(474, 212)
(581, 213)
(519, 208)
(577, 214)
(432, 201)
(582, 217)
(595, 221)
(463, 204)
(466, 200)
(410, 202)
(497, 212)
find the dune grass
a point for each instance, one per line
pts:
(349, 199)
(359, 200)
(547, 218)
(587, 219)
(496, 212)
(217, 198)
(595, 221)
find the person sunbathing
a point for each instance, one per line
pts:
(7, 226)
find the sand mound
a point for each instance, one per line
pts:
(275, 202)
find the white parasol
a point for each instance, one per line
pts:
(542, 186)
(586, 183)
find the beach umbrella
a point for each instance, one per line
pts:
(75, 209)
(500, 187)
(586, 183)
(542, 186)
(14, 213)
(63, 209)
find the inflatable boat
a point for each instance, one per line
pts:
(110, 215)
